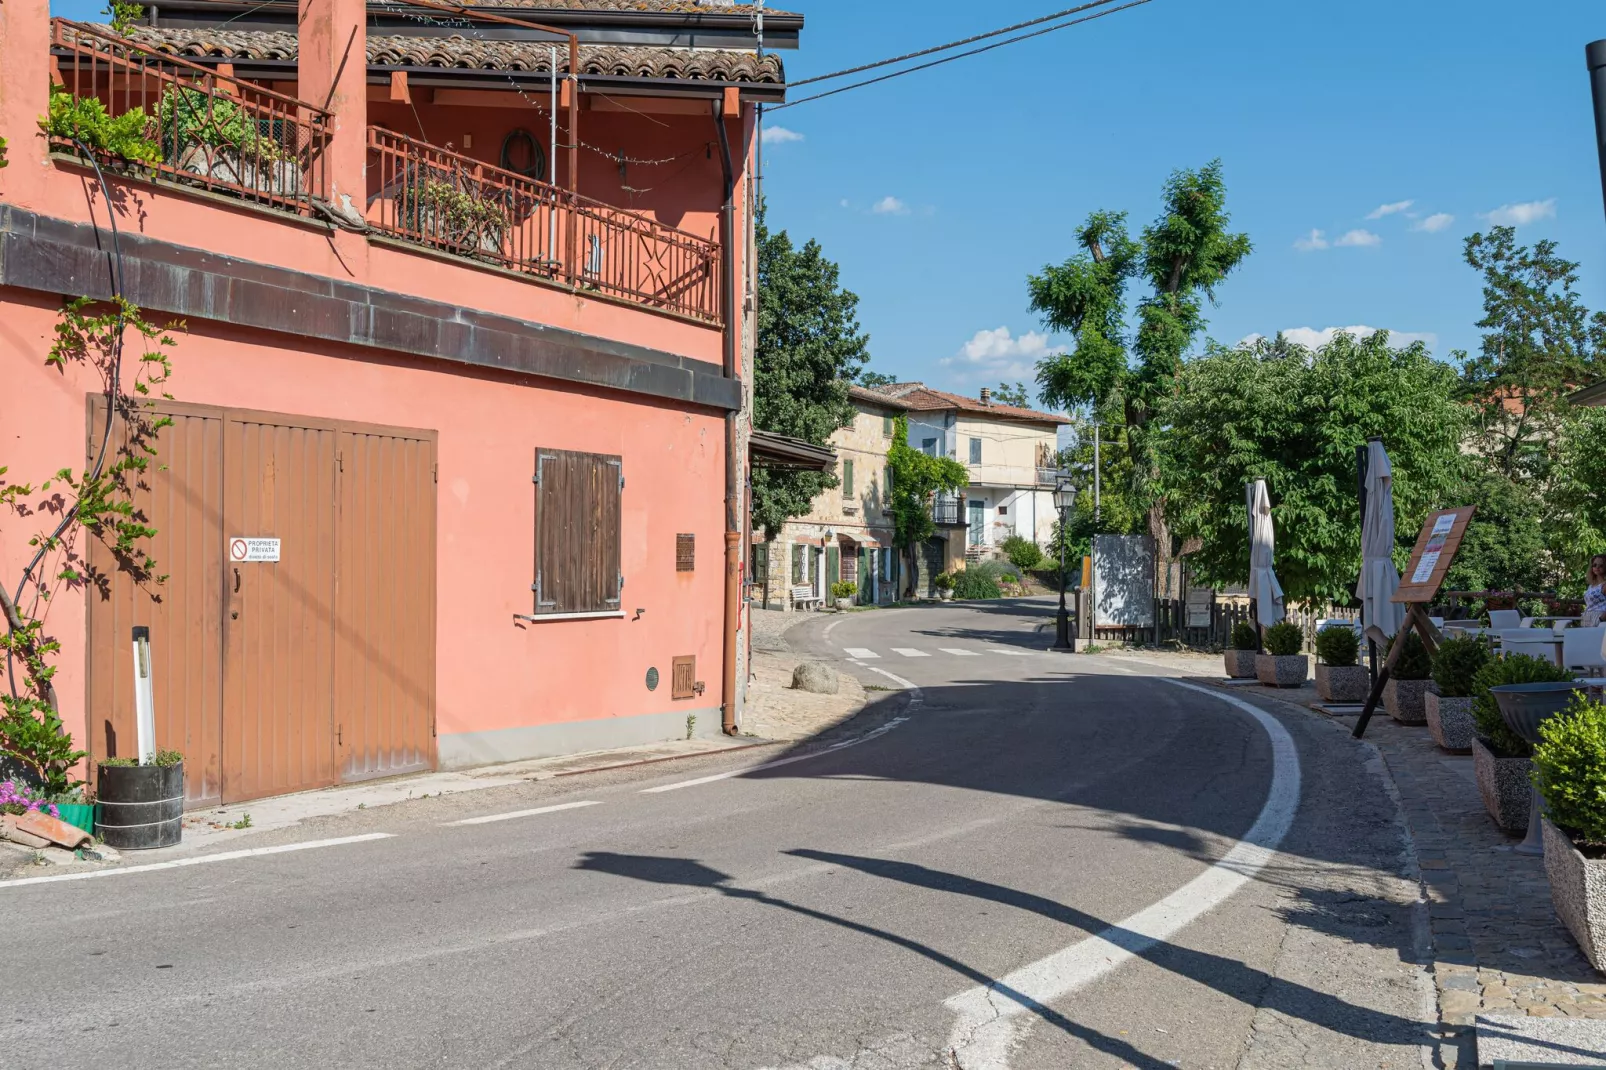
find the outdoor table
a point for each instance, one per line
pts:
(1509, 643)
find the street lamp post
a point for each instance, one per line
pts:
(1064, 498)
(1595, 54)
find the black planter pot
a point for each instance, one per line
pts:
(138, 807)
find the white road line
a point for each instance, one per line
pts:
(956, 652)
(917, 698)
(179, 863)
(521, 813)
(983, 1034)
(860, 653)
(1011, 651)
(910, 652)
(829, 628)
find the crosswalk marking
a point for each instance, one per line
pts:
(860, 652)
(910, 652)
(1011, 651)
(959, 653)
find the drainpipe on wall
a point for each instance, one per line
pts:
(733, 524)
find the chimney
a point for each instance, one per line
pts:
(986, 396)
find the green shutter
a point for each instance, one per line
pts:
(886, 427)
(847, 479)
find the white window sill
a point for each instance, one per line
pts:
(544, 617)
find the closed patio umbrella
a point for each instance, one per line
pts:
(1264, 589)
(1379, 580)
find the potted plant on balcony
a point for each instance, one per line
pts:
(84, 121)
(1282, 665)
(1448, 704)
(140, 806)
(1339, 676)
(1569, 769)
(944, 583)
(211, 135)
(1501, 758)
(435, 205)
(1409, 682)
(1245, 648)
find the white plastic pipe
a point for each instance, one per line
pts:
(144, 698)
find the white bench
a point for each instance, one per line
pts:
(804, 597)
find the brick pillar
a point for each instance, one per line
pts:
(332, 66)
(24, 97)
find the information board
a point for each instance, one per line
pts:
(1435, 552)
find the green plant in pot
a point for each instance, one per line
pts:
(209, 134)
(1339, 676)
(1448, 705)
(1405, 694)
(1284, 663)
(1501, 757)
(1569, 770)
(84, 121)
(1240, 656)
(944, 582)
(140, 806)
(843, 590)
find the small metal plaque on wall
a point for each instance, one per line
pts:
(652, 678)
(683, 678)
(685, 553)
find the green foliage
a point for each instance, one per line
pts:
(31, 734)
(869, 378)
(1016, 395)
(1457, 664)
(1022, 552)
(809, 350)
(843, 589)
(982, 580)
(1338, 646)
(1577, 519)
(1570, 770)
(440, 209)
(1507, 544)
(1245, 636)
(191, 117)
(123, 16)
(86, 120)
(944, 581)
(916, 480)
(1511, 669)
(1414, 662)
(162, 758)
(3, 161)
(1277, 411)
(1284, 639)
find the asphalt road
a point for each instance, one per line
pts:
(1013, 859)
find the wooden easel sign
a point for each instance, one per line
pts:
(1430, 563)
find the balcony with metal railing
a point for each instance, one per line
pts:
(946, 511)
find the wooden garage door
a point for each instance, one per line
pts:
(278, 676)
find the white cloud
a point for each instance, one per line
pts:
(1311, 338)
(1520, 215)
(845, 203)
(780, 135)
(1360, 238)
(998, 354)
(1435, 222)
(890, 205)
(1389, 209)
(1316, 240)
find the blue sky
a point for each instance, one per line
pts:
(940, 192)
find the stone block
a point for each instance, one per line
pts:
(1404, 700)
(1503, 784)
(1343, 683)
(1241, 664)
(1274, 670)
(1578, 891)
(1450, 722)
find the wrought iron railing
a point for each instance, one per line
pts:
(444, 200)
(947, 511)
(143, 112)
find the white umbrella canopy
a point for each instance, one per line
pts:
(1264, 589)
(1379, 580)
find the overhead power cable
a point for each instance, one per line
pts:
(953, 44)
(950, 59)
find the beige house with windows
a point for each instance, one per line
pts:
(847, 534)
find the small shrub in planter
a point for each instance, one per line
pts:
(1241, 655)
(1569, 769)
(944, 582)
(1405, 694)
(843, 591)
(140, 806)
(1501, 757)
(1283, 665)
(1449, 705)
(1338, 676)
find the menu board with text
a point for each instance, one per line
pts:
(1435, 552)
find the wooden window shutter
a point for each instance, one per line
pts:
(578, 517)
(847, 479)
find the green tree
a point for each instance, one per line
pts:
(1016, 395)
(915, 480)
(1276, 411)
(1575, 523)
(870, 378)
(1183, 256)
(809, 350)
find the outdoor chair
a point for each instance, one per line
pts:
(1581, 649)
(1556, 624)
(1454, 628)
(1502, 619)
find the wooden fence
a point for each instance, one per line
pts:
(1171, 624)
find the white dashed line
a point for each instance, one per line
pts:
(859, 652)
(1011, 651)
(959, 653)
(180, 863)
(910, 652)
(520, 813)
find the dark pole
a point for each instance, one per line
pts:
(1062, 623)
(1362, 464)
(1595, 53)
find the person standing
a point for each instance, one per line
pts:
(1595, 596)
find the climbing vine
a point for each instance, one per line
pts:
(99, 501)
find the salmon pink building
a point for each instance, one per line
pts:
(456, 466)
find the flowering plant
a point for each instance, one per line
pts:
(17, 799)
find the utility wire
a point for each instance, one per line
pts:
(950, 59)
(952, 44)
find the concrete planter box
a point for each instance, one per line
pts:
(1343, 683)
(1578, 891)
(1503, 783)
(1290, 670)
(1241, 664)
(1404, 699)
(1450, 722)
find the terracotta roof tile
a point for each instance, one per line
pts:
(457, 52)
(649, 7)
(919, 397)
(874, 397)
